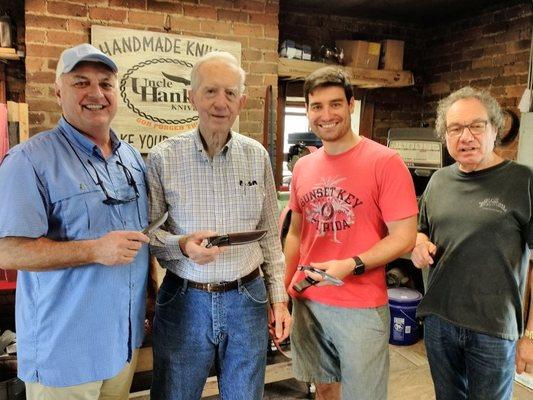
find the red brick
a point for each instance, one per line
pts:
(146, 18)
(80, 26)
(129, 4)
(248, 30)
(179, 23)
(265, 44)
(271, 31)
(40, 21)
(71, 39)
(35, 63)
(217, 3)
(271, 80)
(252, 55)
(215, 27)
(482, 62)
(264, 19)
(521, 45)
(271, 56)
(68, 9)
(35, 6)
(504, 80)
(199, 11)
(107, 14)
(234, 16)
(262, 67)
(41, 77)
(250, 5)
(38, 50)
(437, 88)
(35, 35)
(244, 40)
(254, 103)
(164, 6)
(103, 3)
(495, 49)
(515, 91)
(43, 105)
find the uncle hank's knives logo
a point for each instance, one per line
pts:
(155, 89)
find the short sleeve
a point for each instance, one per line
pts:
(23, 205)
(397, 198)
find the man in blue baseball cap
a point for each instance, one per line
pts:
(73, 204)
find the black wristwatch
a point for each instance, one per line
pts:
(359, 268)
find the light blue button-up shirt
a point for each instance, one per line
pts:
(74, 325)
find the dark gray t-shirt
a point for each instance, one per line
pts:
(481, 223)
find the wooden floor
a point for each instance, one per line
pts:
(409, 379)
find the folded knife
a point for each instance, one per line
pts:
(233, 239)
(155, 224)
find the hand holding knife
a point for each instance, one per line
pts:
(308, 281)
(233, 239)
(155, 224)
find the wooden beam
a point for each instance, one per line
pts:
(365, 78)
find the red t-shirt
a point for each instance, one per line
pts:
(345, 200)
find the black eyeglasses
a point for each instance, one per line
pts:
(108, 199)
(129, 178)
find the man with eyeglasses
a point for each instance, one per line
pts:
(73, 202)
(211, 308)
(474, 235)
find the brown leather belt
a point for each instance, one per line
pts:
(215, 287)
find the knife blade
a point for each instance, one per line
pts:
(155, 224)
(237, 238)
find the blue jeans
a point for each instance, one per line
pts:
(468, 365)
(194, 329)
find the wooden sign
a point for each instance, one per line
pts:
(154, 76)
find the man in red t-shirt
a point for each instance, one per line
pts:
(353, 210)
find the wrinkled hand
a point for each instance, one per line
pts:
(191, 246)
(118, 247)
(524, 355)
(337, 268)
(279, 322)
(423, 253)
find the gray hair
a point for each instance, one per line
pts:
(221, 56)
(494, 110)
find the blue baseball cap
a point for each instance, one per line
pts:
(82, 52)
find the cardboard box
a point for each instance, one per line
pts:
(391, 55)
(359, 53)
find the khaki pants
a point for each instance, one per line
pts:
(116, 388)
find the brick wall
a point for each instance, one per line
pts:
(488, 51)
(392, 107)
(52, 26)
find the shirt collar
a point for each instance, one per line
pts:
(83, 142)
(201, 145)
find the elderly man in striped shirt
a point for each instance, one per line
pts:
(212, 307)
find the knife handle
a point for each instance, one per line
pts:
(222, 240)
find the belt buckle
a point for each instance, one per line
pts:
(209, 287)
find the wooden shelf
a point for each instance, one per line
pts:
(7, 53)
(291, 69)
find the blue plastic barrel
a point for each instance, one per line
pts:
(404, 325)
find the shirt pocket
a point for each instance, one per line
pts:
(81, 214)
(251, 198)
